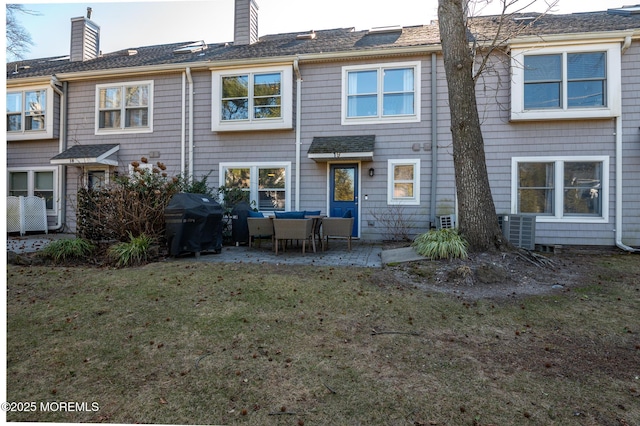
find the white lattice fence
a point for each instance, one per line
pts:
(26, 214)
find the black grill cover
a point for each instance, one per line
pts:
(240, 226)
(193, 223)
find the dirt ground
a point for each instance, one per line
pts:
(504, 275)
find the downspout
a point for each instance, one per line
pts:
(188, 72)
(62, 147)
(434, 138)
(619, 173)
(182, 124)
(296, 68)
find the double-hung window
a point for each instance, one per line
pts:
(403, 179)
(570, 189)
(571, 82)
(124, 107)
(252, 99)
(267, 184)
(37, 182)
(28, 114)
(381, 93)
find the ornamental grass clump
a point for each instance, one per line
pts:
(67, 249)
(134, 252)
(441, 244)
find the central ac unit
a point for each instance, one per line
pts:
(519, 230)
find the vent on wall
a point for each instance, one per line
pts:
(519, 230)
(446, 221)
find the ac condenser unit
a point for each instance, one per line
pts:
(519, 230)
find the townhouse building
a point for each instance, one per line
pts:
(341, 120)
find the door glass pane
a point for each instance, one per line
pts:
(582, 189)
(344, 184)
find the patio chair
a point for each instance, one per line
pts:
(294, 229)
(337, 227)
(260, 228)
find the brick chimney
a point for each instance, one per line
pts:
(245, 22)
(85, 39)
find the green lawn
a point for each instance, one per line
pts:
(201, 343)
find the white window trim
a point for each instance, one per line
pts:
(558, 163)
(286, 104)
(412, 118)
(413, 201)
(31, 171)
(47, 133)
(124, 130)
(253, 186)
(613, 106)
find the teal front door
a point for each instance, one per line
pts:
(343, 197)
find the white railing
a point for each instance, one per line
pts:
(26, 214)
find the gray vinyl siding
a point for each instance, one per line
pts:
(321, 116)
(167, 119)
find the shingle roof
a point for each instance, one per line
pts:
(342, 146)
(325, 42)
(86, 154)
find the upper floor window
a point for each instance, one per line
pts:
(403, 182)
(252, 99)
(124, 107)
(568, 189)
(585, 80)
(572, 82)
(28, 114)
(381, 93)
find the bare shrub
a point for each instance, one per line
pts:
(396, 222)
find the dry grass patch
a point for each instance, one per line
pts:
(196, 343)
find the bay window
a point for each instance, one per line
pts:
(566, 82)
(28, 114)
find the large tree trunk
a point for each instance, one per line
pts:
(477, 219)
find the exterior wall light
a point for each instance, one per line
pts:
(372, 172)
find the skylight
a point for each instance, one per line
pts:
(195, 47)
(625, 10)
(382, 30)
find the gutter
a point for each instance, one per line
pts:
(190, 79)
(620, 174)
(434, 138)
(296, 68)
(182, 123)
(54, 82)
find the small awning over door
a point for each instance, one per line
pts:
(328, 148)
(85, 155)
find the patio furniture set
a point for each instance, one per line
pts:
(299, 226)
